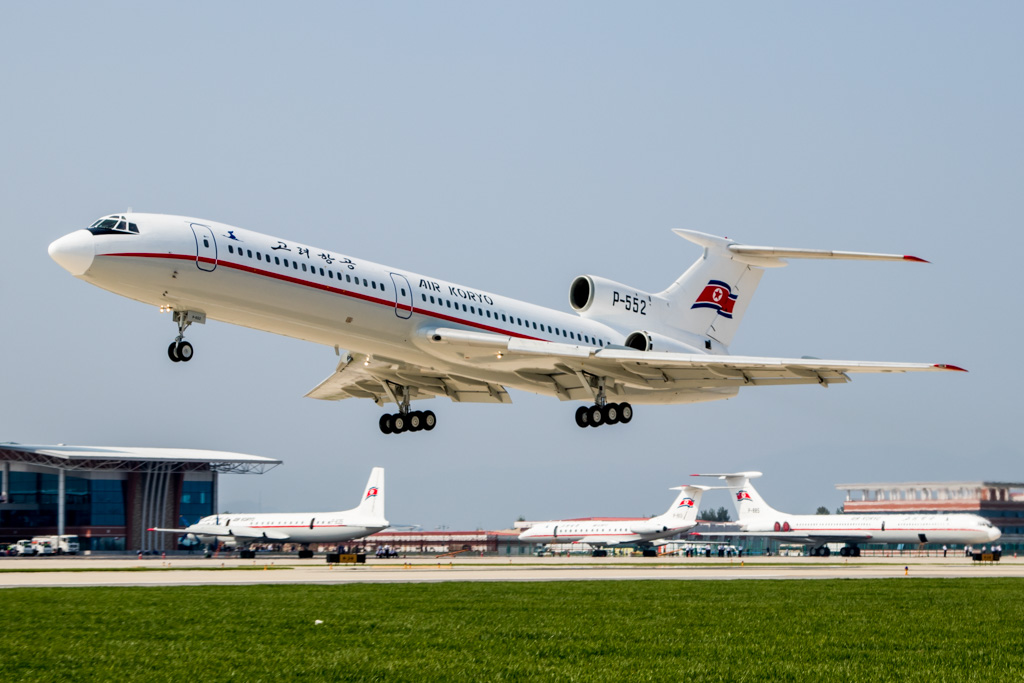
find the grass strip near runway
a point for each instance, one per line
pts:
(907, 629)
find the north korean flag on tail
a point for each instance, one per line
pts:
(717, 295)
(743, 495)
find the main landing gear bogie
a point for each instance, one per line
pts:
(609, 413)
(414, 421)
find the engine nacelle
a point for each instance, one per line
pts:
(642, 340)
(596, 297)
(647, 528)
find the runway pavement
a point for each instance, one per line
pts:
(281, 569)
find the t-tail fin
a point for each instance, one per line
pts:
(372, 503)
(684, 508)
(710, 298)
(748, 502)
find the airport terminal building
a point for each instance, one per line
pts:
(110, 496)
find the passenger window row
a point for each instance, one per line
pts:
(295, 265)
(575, 336)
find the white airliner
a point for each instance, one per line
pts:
(296, 527)
(680, 516)
(757, 518)
(402, 336)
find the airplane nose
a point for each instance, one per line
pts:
(994, 534)
(74, 252)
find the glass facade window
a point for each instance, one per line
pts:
(106, 504)
(196, 500)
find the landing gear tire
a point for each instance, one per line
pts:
(825, 552)
(583, 417)
(396, 423)
(610, 411)
(856, 551)
(180, 351)
(596, 415)
(600, 553)
(625, 413)
(305, 554)
(247, 554)
(650, 552)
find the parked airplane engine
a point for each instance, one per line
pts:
(646, 528)
(642, 340)
(596, 297)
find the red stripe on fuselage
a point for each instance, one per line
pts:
(333, 290)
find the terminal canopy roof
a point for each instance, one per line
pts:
(132, 459)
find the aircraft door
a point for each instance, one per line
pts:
(311, 522)
(206, 247)
(403, 296)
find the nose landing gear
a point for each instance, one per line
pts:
(180, 350)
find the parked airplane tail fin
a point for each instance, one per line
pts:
(684, 508)
(748, 502)
(372, 503)
(710, 298)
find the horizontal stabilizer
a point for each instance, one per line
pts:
(748, 475)
(771, 257)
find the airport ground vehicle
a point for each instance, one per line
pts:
(65, 544)
(23, 548)
(43, 545)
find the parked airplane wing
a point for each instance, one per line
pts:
(607, 540)
(378, 379)
(228, 532)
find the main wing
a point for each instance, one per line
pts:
(570, 371)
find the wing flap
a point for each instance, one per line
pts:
(377, 379)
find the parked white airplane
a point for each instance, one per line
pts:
(679, 517)
(296, 527)
(409, 337)
(757, 518)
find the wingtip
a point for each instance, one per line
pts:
(947, 366)
(915, 259)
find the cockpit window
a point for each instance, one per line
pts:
(113, 225)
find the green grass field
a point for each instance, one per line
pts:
(891, 629)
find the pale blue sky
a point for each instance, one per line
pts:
(512, 147)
